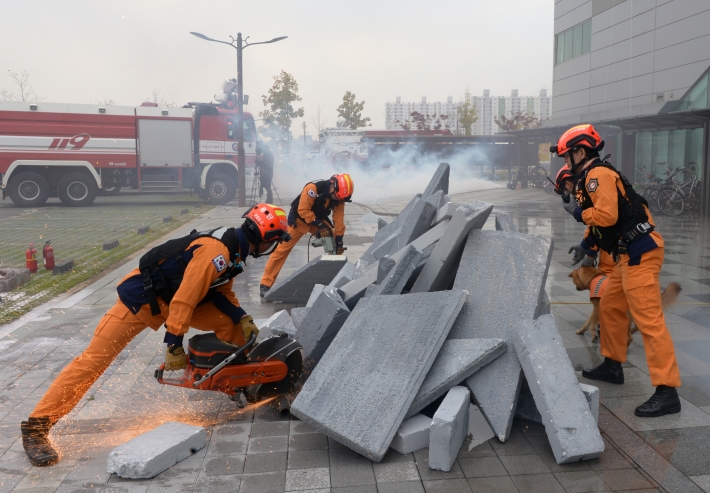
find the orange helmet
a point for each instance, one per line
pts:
(578, 136)
(343, 185)
(265, 223)
(563, 174)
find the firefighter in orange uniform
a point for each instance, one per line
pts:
(310, 213)
(182, 283)
(620, 224)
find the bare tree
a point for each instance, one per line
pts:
(319, 121)
(107, 102)
(25, 91)
(160, 100)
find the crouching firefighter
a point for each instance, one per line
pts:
(183, 283)
(310, 213)
(619, 223)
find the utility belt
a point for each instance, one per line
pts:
(636, 233)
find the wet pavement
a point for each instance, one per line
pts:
(255, 450)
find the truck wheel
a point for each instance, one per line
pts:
(220, 189)
(77, 190)
(111, 190)
(28, 189)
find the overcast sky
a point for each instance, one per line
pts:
(86, 51)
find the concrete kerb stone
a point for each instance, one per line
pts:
(457, 360)
(320, 325)
(399, 274)
(155, 451)
(297, 287)
(318, 289)
(439, 181)
(445, 212)
(571, 428)
(184, 211)
(13, 278)
(449, 429)
(110, 245)
(513, 268)
(526, 407)
(363, 386)
(413, 434)
(355, 290)
(441, 267)
(167, 219)
(344, 276)
(592, 395)
(506, 222)
(62, 267)
(143, 230)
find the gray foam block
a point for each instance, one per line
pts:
(400, 273)
(318, 289)
(449, 429)
(439, 181)
(441, 267)
(445, 212)
(320, 325)
(457, 360)
(418, 222)
(504, 274)
(570, 426)
(381, 223)
(298, 315)
(526, 407)
(354, 290)
(298, 286)
(155, 451)
(366, 381)
(413, 434)
(506, 222)
(345, 275)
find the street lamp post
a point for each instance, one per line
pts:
(239, 44)
(303, 125)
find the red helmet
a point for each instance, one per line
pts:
(563, 174)
(343, 185)
(265, 223)
(578, 136)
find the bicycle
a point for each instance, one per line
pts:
(537, 177)
(687, 195)
(651, 193)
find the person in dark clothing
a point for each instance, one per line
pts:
(265, 163)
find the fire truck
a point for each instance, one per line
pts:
(78, 151)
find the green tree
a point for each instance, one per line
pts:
(517, 121)
(423, 121)
(351, 113)
(466, 112)
(280, 113)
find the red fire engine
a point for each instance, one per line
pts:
(76, 151)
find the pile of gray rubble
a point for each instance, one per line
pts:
(438, 319)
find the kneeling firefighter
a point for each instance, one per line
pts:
(619, 223)
(183, 283)
(310, 213)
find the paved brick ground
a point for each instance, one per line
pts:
(254, 450)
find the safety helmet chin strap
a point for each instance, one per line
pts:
(243, 243)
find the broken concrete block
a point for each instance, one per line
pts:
(506, 222)
(413, 434)
(385, 265)
(110, 245)
(354, 290)
(13, 278)
(320, 325)
(592, 395)
(526, 407)
(371, 290)
(436, 199)
(151, 453)
(479, 429)
(62, 267)
(544, 306)
(513, 268)
(570, 426)
(344, 276)
(418, 222)
(366, 381)
(449, 429)
(439, 181)
(318, 289)
(298, 286)
(441, 267)
(457, 360)
(143, 230)
(298, 315)
(278, 319)
(381, 223)
(445, 212)
(424, 242)
(399, 274)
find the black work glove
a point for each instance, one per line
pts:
(578, 253)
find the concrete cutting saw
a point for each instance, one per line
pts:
(255, 372)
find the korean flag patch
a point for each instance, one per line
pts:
(312, 193)
(220, 263)
(592, 185)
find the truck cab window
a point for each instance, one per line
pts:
(232, 129)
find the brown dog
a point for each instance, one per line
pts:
(594, 280)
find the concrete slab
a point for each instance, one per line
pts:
(479, 429)
(385, 265)
(155, 451)
(513, 268)
(320, 325)
(298, 286)
(418, 222)
(457, 360)
(399, 274)
(276, 322)
(592, 395)
(354, 290)
(413, 434)
(298, 315)
(366, 381)
(436, 199)
(449, 429)
(544, 306)
(422, 243)
(570, 426)
(439, 181)
(445, 212)
(441, 267)
(381, 223)
(506, 222)
(318, 289)
(344, 276)
(526, 406)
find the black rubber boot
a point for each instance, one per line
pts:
(263, 290)
(664, 401)
(35, 440)
(609, 371)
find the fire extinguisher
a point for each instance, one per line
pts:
(31, 258)
(48, 256)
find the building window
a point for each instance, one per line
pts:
(574, 42)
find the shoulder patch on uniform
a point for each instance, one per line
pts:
(592, 185)
(312, 193)
(220, 263)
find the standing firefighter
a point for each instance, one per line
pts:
(620, 224)
(310, 213)
(265, 162)
(183, 283)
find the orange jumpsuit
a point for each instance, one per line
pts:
(299, 229)
(633, 287)
(119, 326)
